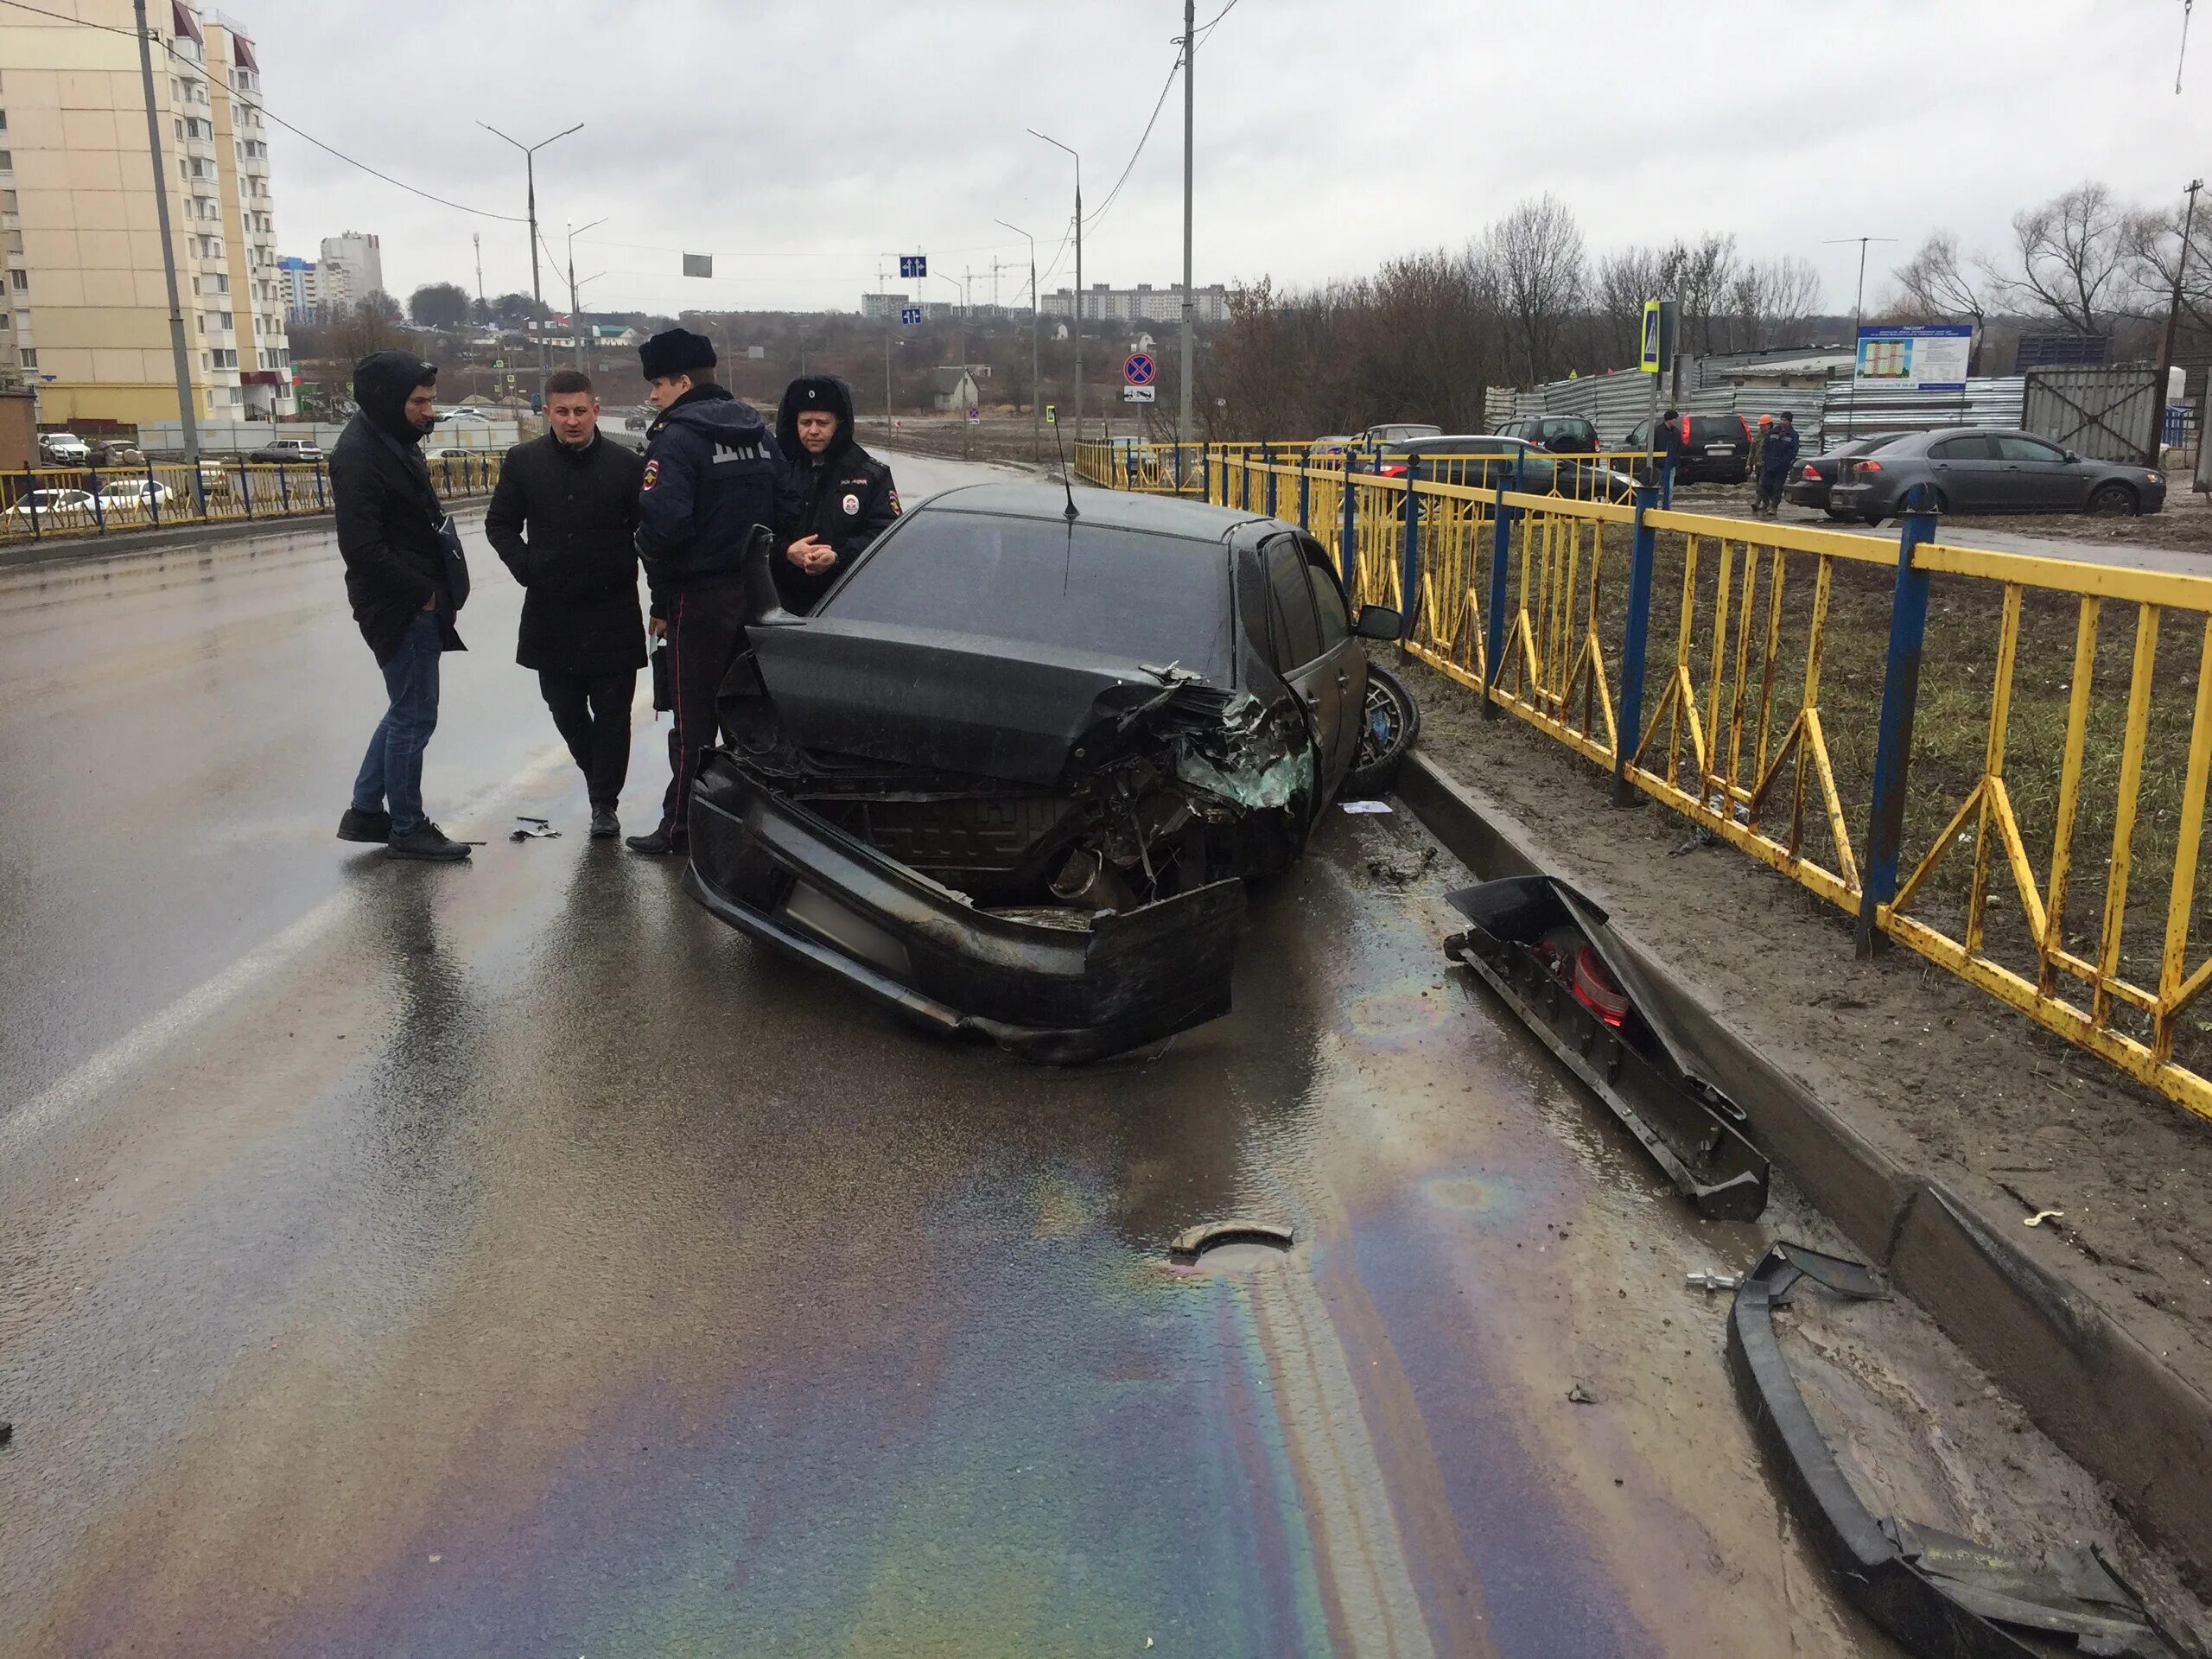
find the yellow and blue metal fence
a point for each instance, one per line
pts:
(1692, 657)
(54, 503)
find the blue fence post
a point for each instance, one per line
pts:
(1893, 737)
(198, 491)
(1305, 493)
(1501, 569)
(30, 494)
(321, 505)
(1634, 638)
(1667, 481)
(100, 513)
(284, 486)
(1410, 556)
(1205, 471)
(1267, 460)
(245, 488)
(1348, 543)
(153, 495)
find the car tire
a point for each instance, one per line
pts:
(1389, 721)
(2113, 499)
(1874, 520)
(1838, 514)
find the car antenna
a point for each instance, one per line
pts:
(1060, 444)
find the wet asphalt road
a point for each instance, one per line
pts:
(510, 1260)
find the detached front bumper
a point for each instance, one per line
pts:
(1059, 994)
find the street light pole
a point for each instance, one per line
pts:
(2173, 320)
(1183, 399)
(180, 357)
(1056, 144)
(576, 305)
(1036, 386)
(1858, 321)
(536, 294)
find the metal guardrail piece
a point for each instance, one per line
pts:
(1709, 698)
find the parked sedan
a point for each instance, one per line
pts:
(1487, 460)
(287, 450)
(1563, 434)
(55, 507)
(1008, 775)
(1982, 469)
(130, 495)
(1818, 475)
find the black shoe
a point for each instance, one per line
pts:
(428, 841)
(658, 844)
(604, 826)
(358, 825)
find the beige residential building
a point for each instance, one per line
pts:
(91, 304)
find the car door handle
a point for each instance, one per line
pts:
(1343, 680)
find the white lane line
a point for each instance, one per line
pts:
(39, 1115)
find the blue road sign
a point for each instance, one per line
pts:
(909, 314)
(1139, 370)
(914, 264)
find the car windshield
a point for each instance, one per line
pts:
(1121, 592)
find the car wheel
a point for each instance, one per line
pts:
(1837, 513)
(1389, 720)
(2114, 499)
(1874, 520)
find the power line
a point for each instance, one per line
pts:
(199, 71)
(1205, 29)
(1160, 105)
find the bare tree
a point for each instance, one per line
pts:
(1700, 276)
(1536, 250)
(1938, 285)
(2154, 253)
(1626, 278)
(2071, 260)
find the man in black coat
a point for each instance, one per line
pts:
(713, 476)
(846, 496)
(406, 579)
(564, 517)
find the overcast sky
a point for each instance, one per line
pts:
(798, 142)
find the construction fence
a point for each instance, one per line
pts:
(56, 503)
(1997, 760)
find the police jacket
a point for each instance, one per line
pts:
(388, 512)
(846, 498)
(712, 473)
(565, 521)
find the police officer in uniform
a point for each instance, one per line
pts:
(713, 472)
(846, 498)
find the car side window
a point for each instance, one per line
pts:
(1328, 600)
(2035, 449)
(1974, 447)
(1298, 639)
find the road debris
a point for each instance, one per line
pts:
(1364, 806)
(1580, 1396)
(1935, 1593)
(1709, 1282)
(2041, 1217)
(531, 830)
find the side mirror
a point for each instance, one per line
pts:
(1378, 622)
(2071, 458)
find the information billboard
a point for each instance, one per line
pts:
(1915, 357)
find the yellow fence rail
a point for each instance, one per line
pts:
(63, 503)
(2000, 761)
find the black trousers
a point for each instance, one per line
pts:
(592, 712)
(705, 628)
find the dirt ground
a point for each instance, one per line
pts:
(1948, 1082)
(2185, 524)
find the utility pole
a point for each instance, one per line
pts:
(1183, 434)
(537, 293)
(1858, 321)
(180, 357)
(575, 303)
(890, 322)
(477, 236)
(1036, 386)
(1056, 144)
(2173, 323)
(961, 349)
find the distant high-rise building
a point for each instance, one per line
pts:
(351, 268)
(89, 300)
(1143, 303)
(883, 305)
(301, 291)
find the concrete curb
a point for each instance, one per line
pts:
(22, 555)
(2112, 1404)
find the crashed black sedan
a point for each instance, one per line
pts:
(1008, 775)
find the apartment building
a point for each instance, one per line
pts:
(1143, 303)
(85, 277)
(351, 268)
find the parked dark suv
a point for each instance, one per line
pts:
(1716, 448)
(1985, 469)
(1563, 434)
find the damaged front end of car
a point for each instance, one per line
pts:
(1042, 847)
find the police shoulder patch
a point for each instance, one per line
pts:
(653, 475)
(895, 507)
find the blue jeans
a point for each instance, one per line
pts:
(392, 770)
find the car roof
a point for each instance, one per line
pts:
(1159, 515)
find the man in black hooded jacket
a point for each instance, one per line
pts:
(846, 496)
(713, 474)
(403, 576)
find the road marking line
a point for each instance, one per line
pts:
(42, 1111)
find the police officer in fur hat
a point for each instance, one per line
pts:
(846, 498)
(713, 472)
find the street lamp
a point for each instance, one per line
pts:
(961, 348)
(576, 305)
(1056, 144)
(1036, 386)
(1858, 321)
(536, 294)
